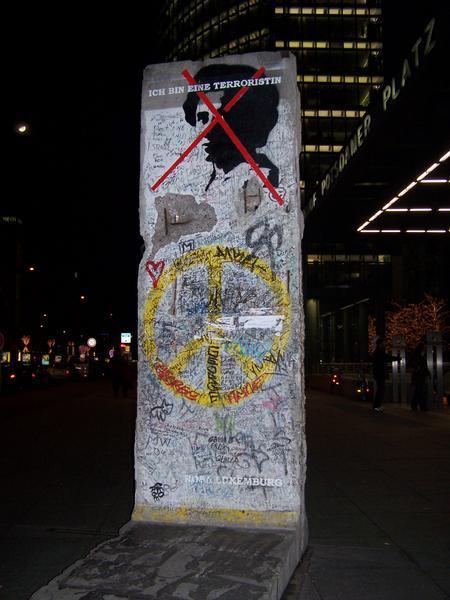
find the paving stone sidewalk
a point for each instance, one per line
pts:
(378, 503)
(168, 561)
(378, 494)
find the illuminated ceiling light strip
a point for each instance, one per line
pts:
(362, 226)
(425, 231)
(444, 209)
(407, 188)
(393, 201)
(434, 181)
(373, 217)
(413, 183)
(432, 168)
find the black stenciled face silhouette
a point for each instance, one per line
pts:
(252, 118)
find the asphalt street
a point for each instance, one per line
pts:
(378, 492)
(66, 456)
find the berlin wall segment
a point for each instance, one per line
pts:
(220, 422)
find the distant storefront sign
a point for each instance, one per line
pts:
(10, 220)
(125, 338)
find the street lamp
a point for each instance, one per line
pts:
(22, 128)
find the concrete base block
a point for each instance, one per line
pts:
(161, 561)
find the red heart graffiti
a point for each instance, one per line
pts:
(155, 270)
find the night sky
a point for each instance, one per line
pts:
(74, 179)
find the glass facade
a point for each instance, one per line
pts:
(332, 271)
(339, 58)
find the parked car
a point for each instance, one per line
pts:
(58, 369)
(59, 373)
(335, 381)
(28, 375)
(81, 370)
(8, 378)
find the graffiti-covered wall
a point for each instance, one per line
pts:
(220, 436)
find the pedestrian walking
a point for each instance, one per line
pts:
(379, 360)
(419, 378)
(120, 373)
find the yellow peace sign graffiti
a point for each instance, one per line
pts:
(214, 339)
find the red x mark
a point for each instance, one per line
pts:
(218, 118)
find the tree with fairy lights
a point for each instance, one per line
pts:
(412, 321)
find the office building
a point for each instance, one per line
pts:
(338, 46)
(360, 148)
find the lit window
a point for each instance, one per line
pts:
(321, 148)
(346, 12)
(334, 113)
